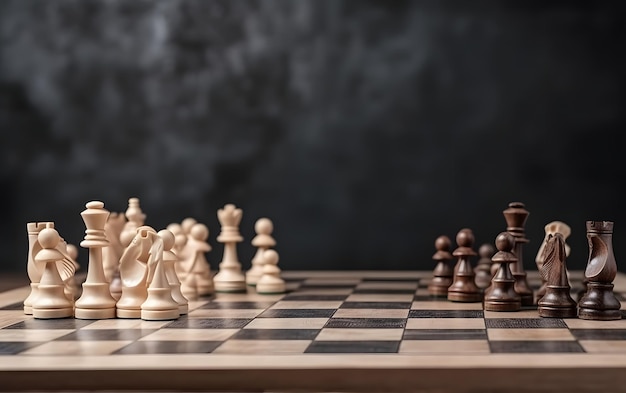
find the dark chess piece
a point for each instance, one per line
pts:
(557, 301)
(442, 275)
(483, 267)
(463, 288)
(515, 216)
(550, 229)
(599, 302)
(501, 295)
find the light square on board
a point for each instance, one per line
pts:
(306, 304)
(119, 323)
(190, 335)
(545, 334)
(82, 348)
(359, 334)
(447, 347)
(32, 334)
(603, 346)
(287, 323)
(247, 347)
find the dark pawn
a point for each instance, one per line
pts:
(501, 295)
(463, 288)
(599, 302)
(442, 275)
(483, 267)
(557, 301)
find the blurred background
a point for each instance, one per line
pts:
(363, 129)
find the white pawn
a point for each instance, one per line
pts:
(230, 278)
(187, 223)
(159, 304)
(270, 281)
(180, 239)
(169, 261)
(51, 301)
(198, 247)
(263, 240)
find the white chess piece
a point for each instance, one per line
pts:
(135, 273)
(72, 289)
(195, 251)
(159, 304)
(187, 223)
(95, 301)
(263, 240)
(33, 269)
(169, 261)
(230, 278)
(270, 281)
(51, 301)
(113, 252)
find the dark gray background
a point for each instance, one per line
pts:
(364, 129)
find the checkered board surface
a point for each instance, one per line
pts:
(322, 313)
(332, 331)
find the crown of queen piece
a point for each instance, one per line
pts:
(95, 216)
(229, 218)
(515, 217)
(600, 226)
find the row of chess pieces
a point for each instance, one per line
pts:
(499, 279)
(135, 271)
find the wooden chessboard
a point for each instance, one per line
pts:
(333, 331)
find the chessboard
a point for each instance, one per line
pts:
(332, 331)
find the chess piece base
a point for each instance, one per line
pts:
(599, 315)
(556, 312)
(230, 286)
(96, 296)
(434, 290)
(502, 306)
(28, 302)
(94, 313)
(128, 313)
(183, 309)
(270, 288)
(51, 313)
(160, 315)
(464, 297)
(557, 303)
(599, 303)
(438, 286)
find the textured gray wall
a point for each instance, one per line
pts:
(363, 129)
